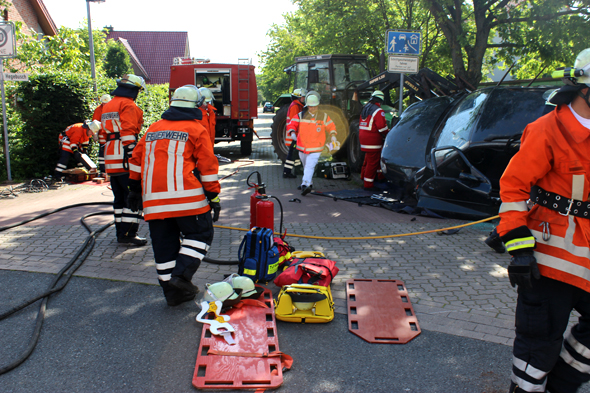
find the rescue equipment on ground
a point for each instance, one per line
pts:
(224, 292)
(285, 250)
(380, 311)
(79, 175)
(218, 326)
(333, 170)
(316, 271)
(254, 362)
(245, 284)
(258, 255)
(305, 303)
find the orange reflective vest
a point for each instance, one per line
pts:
(209, 120)
(164, 160)
(295, 107)
(554, 155)
(121, 121)
(311, 130)
(75, 135)
(102, 136)
(373, 128)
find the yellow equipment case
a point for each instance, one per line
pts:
(304, 303)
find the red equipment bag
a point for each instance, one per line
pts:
(285, 250)
(316, 271)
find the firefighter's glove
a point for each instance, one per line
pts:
(216, 207)
(74, 149)
(523, 267)
(134, 201)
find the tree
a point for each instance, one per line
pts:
(117, 60)
(525, 28)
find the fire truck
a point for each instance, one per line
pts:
(234, 92)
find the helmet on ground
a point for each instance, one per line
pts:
(378, 94)
(187, 96)
(207, 94)
(583, 62)
(245, 284)
(312, 100)
(298, 93)
(132, 80)
(223, 292)
(105, 98)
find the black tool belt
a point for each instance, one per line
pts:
(563, 205)
(113, 136)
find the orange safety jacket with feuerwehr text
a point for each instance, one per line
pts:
(555, 156)
(75, 135)
(121, 120)
(311, 130)
(164, 160)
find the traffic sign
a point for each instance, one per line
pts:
(7, 40)
(403, 42)
(402, 64)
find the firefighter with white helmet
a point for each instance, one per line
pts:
(550, 243)
(209, 116)
(292, 160)
(372, 132)
(122, 120)
(176, 204)
(310, 127)
(74, 141)
(101, 136)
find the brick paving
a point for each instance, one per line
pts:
(456, 284)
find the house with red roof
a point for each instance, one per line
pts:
(152, 52)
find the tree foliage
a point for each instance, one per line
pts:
(117, 60)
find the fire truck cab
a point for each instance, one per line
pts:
(234, 92)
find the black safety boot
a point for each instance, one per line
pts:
(133, 240)
(306, 190)
(289, 175)
(182, 283)
(185, 297)
(495, 242)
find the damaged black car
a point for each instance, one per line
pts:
(448, 153)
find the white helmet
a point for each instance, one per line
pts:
(583, 62)
(378, 94)
(94, 125)
(105, 98)
(223, 292)
(207, 94)
(132, 80)
(312, 100)
(298, 93)
(187, 96)
(245, 284)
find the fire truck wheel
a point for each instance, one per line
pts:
(245, 147)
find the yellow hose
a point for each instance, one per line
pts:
(372, 237)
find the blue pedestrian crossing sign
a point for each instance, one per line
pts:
(403, 42)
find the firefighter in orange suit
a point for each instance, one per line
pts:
(208, 121)
(550, 243)
(122, 120)
(292, 160)
(177, 204)
(102, 137)
(74, 140)
(310, 127)
(372, 132)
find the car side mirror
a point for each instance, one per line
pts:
(314, 76)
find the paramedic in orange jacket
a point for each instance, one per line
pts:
(102, 136)
(292, 160)
(208, 110)
(550, 244)
(310, 127)
(122, 120)
(177, 205)
(74, 140)
(372, 132)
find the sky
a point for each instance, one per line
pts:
(220, 30)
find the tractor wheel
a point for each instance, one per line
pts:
(246, 147)
(355, 155)
(279, 129)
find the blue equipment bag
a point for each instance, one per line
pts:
(259, 255)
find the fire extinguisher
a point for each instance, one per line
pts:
(265, 212)
(261, 207)
(259, 190)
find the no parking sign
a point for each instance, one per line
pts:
(7, 40)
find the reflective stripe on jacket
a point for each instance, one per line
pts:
(76, 135)
(554, 155)
(209, 120)
(373, 128)
(164, 160)
(295, 107)
(311, 130)
(120, 115)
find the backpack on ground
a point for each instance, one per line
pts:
(258, 255)
(315, 271)
(304, 303)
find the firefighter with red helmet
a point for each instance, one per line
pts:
(310, 127)
(102, 138)
(177, 204)
(372, 132)
(74, 140)
(550, 243)
(292, 160)
(122, 121)
(208, 110)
